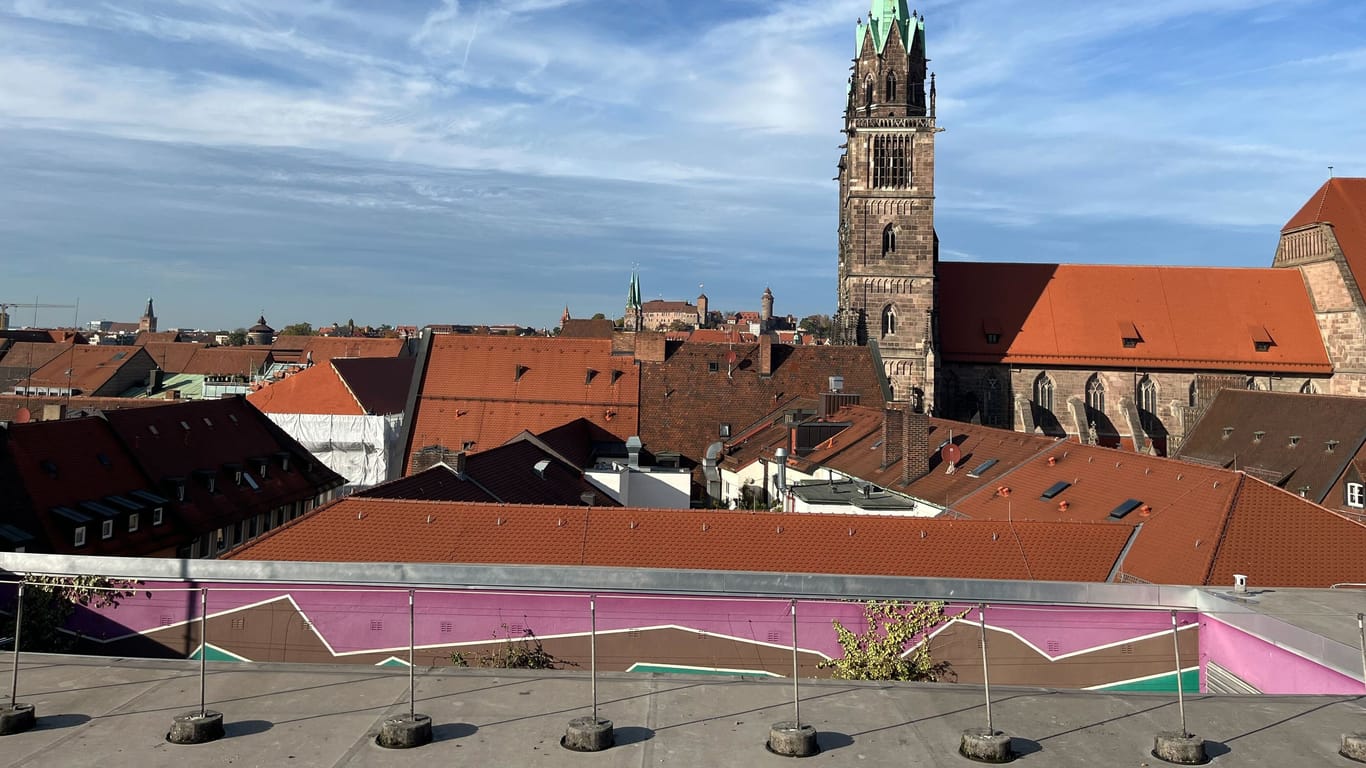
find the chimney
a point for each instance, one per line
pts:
(172, 394)
(650, 347)
(915, 446)
(154, 380)
(892, 434)
(54, 412)
(765, 355)
(633, 446)
(457, 463)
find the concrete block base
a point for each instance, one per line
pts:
(791, 739)
(196, 728)
(985, 746)
(586, 734)
(405, 732)
(1180, 748)
(16, 718)
(1353, 746)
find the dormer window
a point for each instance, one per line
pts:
(1261, 338)
(107, 529)
(78, 537)
(1128, 333)
(158, 516)
(991, 330)
(133, 522)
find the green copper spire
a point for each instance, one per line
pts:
(881, 16)
(633, 294)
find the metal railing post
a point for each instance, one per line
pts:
(986, 670)
(796, 691)
(203, 645)
(1361, 629)
(1180, 688)
(412, 642)
(593, 649)
(18, 628)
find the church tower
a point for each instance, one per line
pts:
(887, 245)
(148, 322)
(634, 319)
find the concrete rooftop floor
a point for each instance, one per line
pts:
(116, 712)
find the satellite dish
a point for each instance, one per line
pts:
(23, 416)
(951, 454)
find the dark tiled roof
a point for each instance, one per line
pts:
(321, 349)
(10, 405)
(1189, 318)
(505, 474)
(586, 329)
(376, 530)
(1228, 436)
(380, 384)
(684, 402)
(580, 441)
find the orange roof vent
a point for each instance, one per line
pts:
(1052, 461)
(1145, 510)
(1002, 490)
(1063, 505)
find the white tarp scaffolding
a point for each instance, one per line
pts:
(361, 449)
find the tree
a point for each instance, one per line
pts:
(237, 338)
(880, 652)
(49, 602)
(599, 316)
(816, 325)
(297, 329)
(679, 325)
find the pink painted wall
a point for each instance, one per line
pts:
(1267, 667)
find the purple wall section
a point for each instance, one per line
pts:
(1266, 667)
(359, 620)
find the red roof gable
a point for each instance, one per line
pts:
(86, 369)
(483, 390)
(314, 390)
(1191, 318)
(376, 530)
(1342, 203)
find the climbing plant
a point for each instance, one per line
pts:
(49, 601)
(893, 646)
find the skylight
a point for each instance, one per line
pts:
(983, 467)
(1055, 489)
(1125, 508)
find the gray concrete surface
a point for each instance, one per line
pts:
(115, 713)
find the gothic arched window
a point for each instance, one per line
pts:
(888, 320)
(1095, 393)
(1147, 404)
(1309, 388)
(888, 240)
(1193, 395)
(891, 87)
(1043, 392)
(868, 92)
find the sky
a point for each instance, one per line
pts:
(492, 161)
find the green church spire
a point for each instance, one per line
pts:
(882, 15)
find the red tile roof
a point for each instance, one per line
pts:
(89, 370)
(318, 389)
(10, 404)
(1189, 318)
(321, 349)
(483, 390)
(1342, 203)
(375, 530)
(587, 329)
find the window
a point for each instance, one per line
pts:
(158, 516)
(891, 87)
(107, 529)
(725, 430)
(1147, 403)
(78, 537)
(1193, 394)
(1354, 496)
(888, 320)
(713, 367)
(868, 92)
(888, 240)
(993, 338)
(133, 522)
(891, 162)
(1309, 388)
(1043, 392)
(468, 445)
(1095, 393)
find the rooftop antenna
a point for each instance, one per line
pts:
(1330, 171)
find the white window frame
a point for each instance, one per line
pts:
(133, 522)
(1355, 495)
(107, 529)
(158, 516)
(78, 536)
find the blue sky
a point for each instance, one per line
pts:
(464, 161)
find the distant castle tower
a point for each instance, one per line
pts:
(888, 250)
(261, 334)
(635, 318)
(703, 317)
(148, 322)
(766, 310)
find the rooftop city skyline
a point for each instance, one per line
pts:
(491, 162)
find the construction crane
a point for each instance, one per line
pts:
(6, 306)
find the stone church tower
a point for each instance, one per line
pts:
(148, 322)
(887, 245)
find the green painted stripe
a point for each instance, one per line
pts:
(681, 670)
(1190, 682)
(218, 654)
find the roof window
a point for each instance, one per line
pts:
(1128, 332)
(1129, 505)
(983, 467)
(1261, 338)
(521, 370)
(1294, 440)
(991, 329)
(1055, 489)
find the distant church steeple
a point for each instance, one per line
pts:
(635, 318)
(148, 322)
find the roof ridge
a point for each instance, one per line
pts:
(1323, 198)
(1225, 523)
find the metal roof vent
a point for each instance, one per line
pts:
(540, 468)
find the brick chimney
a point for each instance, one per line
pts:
(765, 355)
(893, 427)
(915, 447)
(650, 347)
(54, 412)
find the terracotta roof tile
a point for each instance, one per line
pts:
(10, 404)
(91, 370)
(587, 329)
(483, 390)
(321, 349)
(1191, 318)
(22, 358)
(364, 530)
(1342, 203)
(314, 390)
